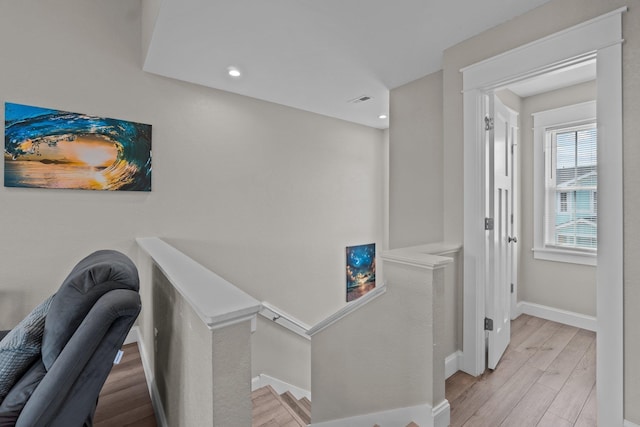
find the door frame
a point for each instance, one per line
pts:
(600, 37)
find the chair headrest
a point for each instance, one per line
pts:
(90, 279)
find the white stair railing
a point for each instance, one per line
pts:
(196, 329)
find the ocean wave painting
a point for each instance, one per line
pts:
(45, 148)
(361, 270)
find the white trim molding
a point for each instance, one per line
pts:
(423, 415)
(298, 327)
(285, 320)
(554, 52)
(347, 309)
(156, 401)
(132, 336)
(217, 302)
(452, 363)
(630, 424)
(564, 255)
(602, 35)
(542, 122)
(279, 386)
(565, 317)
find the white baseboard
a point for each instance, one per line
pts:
(570, 318)
(423, 415)
(132, 336)
(156, 402)
(452, 363)
(442, 414)
(279, 386)
(630, 424)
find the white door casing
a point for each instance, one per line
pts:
(602, 37)
(514, 247)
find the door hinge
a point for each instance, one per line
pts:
(488, 223)
(512, 288)
(488, 123)
(488, 324)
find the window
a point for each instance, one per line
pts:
(566, 184)
(572, 180)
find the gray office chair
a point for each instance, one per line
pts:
(55, 362)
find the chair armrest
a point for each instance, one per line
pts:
(68, 392)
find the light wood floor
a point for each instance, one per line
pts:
(124, 400)
(546, 379)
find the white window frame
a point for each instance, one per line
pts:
(543, 122)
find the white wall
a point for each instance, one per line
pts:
(268, 358)
(201, 375)
(386, 355)
(554, 16)
(415, 163)
(267, 196)
(559, 285)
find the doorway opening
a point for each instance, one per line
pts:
(598, 38)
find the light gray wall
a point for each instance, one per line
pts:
(403, 358)
(559, 285)
(267, 196)
(545, 20)
(268, 357)
(202, 375)
(415, 163)
(150, 11)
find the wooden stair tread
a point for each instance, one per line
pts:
(297, 406)
(411, 424)
(306, 403)
(270, 410)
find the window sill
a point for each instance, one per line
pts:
(566, 255)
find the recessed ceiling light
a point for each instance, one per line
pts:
(234, 72)
(382, 116)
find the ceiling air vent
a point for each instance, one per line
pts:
(359, 99)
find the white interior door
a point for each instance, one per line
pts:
(500, 239)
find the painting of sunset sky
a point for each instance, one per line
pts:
(361, 270)
(45, 148)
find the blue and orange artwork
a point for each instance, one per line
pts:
(45, 148)
(361, 270)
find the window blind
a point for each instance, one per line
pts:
(571, 186)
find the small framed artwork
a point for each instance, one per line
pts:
(361, 270)
(45, 148)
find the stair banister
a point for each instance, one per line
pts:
(196, 330)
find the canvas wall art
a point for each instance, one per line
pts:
(45, 148)
(361, 270)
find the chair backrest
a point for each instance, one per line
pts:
(99, 273)
(89, 318)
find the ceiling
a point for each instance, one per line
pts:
(563, 77)
(322, 56)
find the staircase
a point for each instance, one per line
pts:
(411, 424)
(271, 409)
